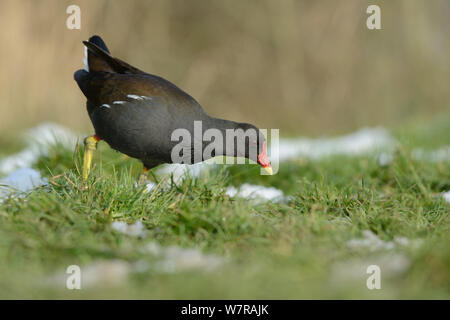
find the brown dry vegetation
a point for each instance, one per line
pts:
(308, 67)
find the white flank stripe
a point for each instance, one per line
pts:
(133, 96)
(105, 105)
(85, 59)
(119, 102)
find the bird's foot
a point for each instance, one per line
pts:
(143, 177)
(90, 145)
(144, 181)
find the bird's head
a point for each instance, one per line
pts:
(252, 144)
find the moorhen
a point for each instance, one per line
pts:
(137, 114)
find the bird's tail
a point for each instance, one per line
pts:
(98, 58)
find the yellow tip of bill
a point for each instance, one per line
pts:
(268, 170)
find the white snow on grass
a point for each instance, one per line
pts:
(438, 155)
(169, 259)
(446, 196)
(344, 273)
(20, 181)
(100, 273)
(174, 259)
(181, 171)
(385, 159)
(256, 193)
(105, 273)
(24, 179)
(136, 229)
(365, 140)
(38, 139)
(360, 142)
(150, 186)
(372, 242)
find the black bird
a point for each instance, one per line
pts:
(138, 114)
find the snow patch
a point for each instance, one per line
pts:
(150, 186)
(385, 159)
(105, 273)
(136, 229)
(171, 259)
(21, 180)
(446, 196)
(163, 259)
(39, 140)
(438, 155)
(355, 270)
(182, 171)
(176, 259)
(372, 242)
(257, 193)
(360, 142)
(101, 273)
(50, 134)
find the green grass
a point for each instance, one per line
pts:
(288, 250)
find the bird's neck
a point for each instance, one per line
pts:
(220, 124)
(223, 130)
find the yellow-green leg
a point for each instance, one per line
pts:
(142, 180)
(90, 144)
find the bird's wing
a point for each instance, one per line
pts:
(137, 126)
(106, 88)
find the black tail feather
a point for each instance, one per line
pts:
(99, 42)
(100, 59)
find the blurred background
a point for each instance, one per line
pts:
(307, 67)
